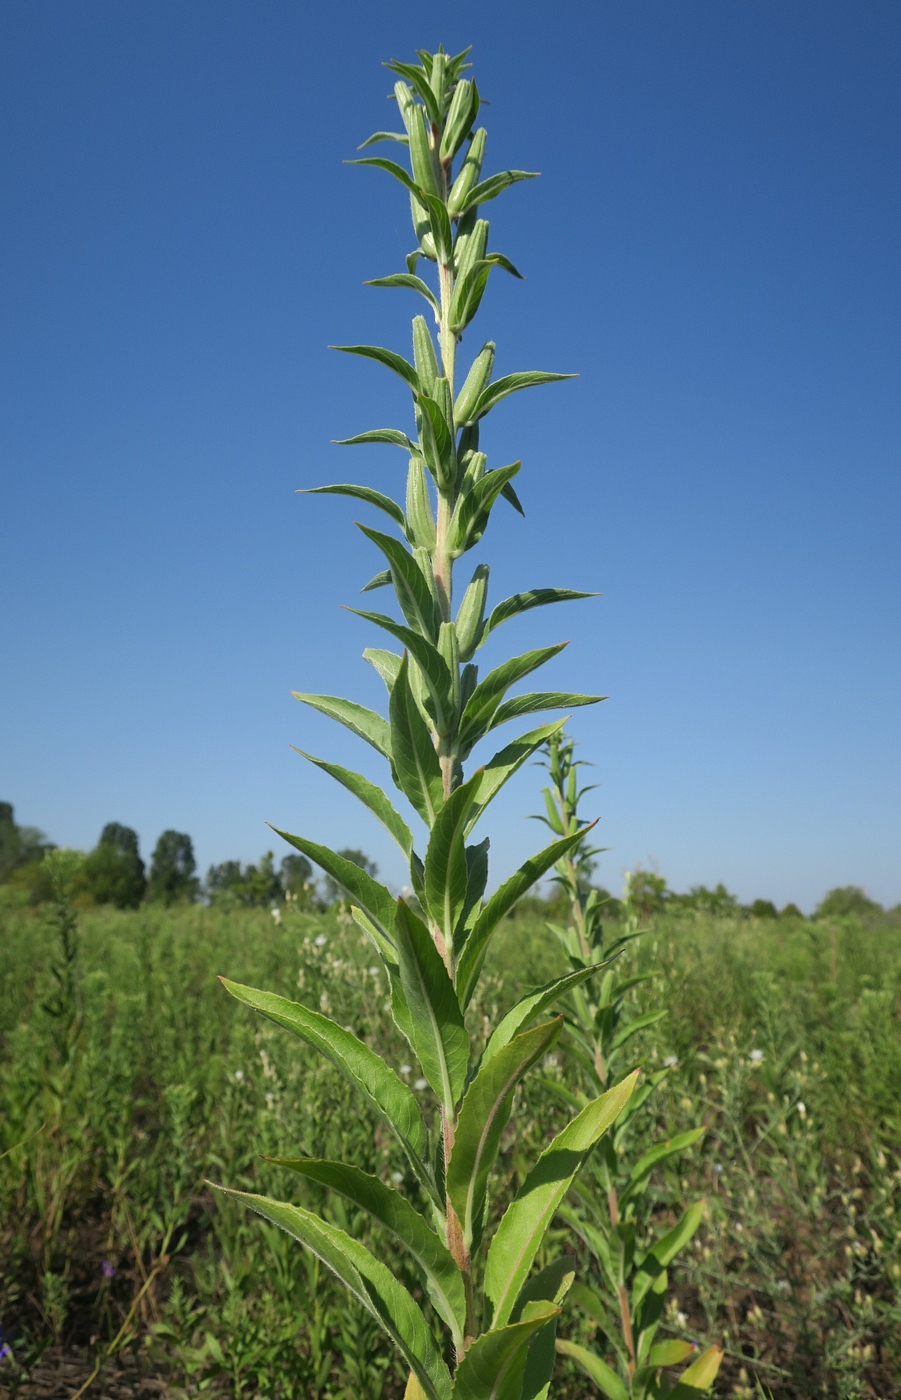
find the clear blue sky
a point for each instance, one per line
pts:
(713, 246)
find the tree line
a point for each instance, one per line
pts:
(114, 873)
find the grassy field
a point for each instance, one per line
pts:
(132, 1079)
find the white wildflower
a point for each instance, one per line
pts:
(670, 1061)
(239, 1076)
(406, 1069)
(320, 941)
(421, 1084)
(277, 915)
(397, 1178)
(682, 1319)
(756, 1057)
(802, 1108)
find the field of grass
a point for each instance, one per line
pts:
(131, 1079)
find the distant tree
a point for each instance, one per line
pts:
(649, 892)
(848, 899)
(114, 871)
(19, 845)
(333, 890)
(717, 901)
(172, 877)
(791, 911)
(763, 909)
(296, 875)
(253, 884)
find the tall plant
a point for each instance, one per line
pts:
(500, 1321)
(625, 1298)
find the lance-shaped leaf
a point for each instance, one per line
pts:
(370, 1282)
(392, 167)
(507, 762)
(413, 593)
(382, 1089)
(412, 283)
(443, 1279)
(646, 1164)
(446, 874)
(437, 441)
(493, 1367)
(371, 796)
(416, 766)
(442, 232)
(482, 1119)
(493, 186)
(419, 82)
(473, 508)
(553, 1284)
(522, 602)
(362, 493)
(665, 1251)
(393, 436)
(500, 903)
(511, 384)
(699, 1376)
(400, 136)
(529, 1214)
(387, 663)
(389, 358)
(536, 701)
(439, 1035)
(604, 1377)
(431, 663)
(380, 580)
(372, 897)
(533, 1005)
(366, 724)
(488, 694)
(476, 880)
(638, 1024)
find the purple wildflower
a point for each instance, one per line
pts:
(6, 1350)
(107, 1269)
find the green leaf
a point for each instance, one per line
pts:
(399, 136)
(437, 441)
(366, 724)
(473, 508)
(413, 593)
(493, 1367)
(417, 79)
(360, 1066)
(507, 762)
(445, 860)
(439, 1035)
(493, 186)
(372, 897)
(603, 1376)
(393, 436)
(481, 1122)
(552, 1283)
(522, 602)
(380, 580)
(665, 1250)
(387, 663)
(362, 493)
(418, 772)
(519, 1235)
(370, 1282)
(476, 880)
(441, 225)
(392, 168)
(443, 1279)
(431, 664)
(488, 694)
(671, 1353)
(540, 700)
(639, 1024)
(371, 796)
(532, 1005)
(510, 495)
(412, 283)
(510, 384)
(646, 1164)
(500, 903)
(700, 1375)
(389, 358)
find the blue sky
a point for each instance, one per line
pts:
(713, 246)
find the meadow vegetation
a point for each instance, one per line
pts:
(125, 1082)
